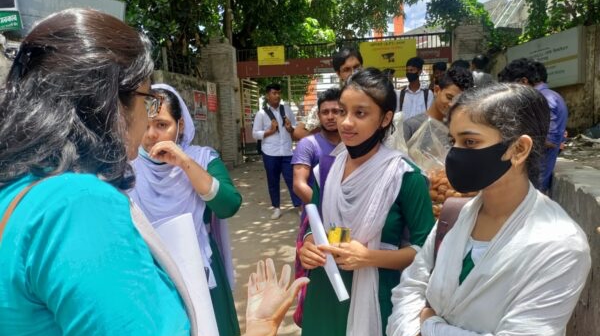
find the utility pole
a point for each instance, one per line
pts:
(228, 28)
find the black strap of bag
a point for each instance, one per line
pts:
(403, 93)
(272, 116)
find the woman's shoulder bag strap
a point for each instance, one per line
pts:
(13, 205)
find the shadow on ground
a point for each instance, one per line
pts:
(255, 236)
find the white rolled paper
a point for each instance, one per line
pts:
(333, 273)
(179, 236)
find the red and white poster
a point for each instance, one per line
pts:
(211, 90)
(200, 105)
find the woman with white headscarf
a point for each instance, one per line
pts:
(174, 177)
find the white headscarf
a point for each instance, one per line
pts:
(164, 190)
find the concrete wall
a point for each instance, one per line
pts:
(577, 189)
(207, 131)
(219, 64)
(468, 41)
(583, 100)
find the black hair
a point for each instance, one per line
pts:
(273, 86)
(460, 63)
(416, 62)
(541, 75)
(442, 66)
(331, 94)
(480, 62)
(340, 57)
(514, 110)
(61, 106)
(375, 84)
(517, 69)
(458, 76)
(171, 102)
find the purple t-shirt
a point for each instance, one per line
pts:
(309, 150)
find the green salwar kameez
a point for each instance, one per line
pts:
(323, 314)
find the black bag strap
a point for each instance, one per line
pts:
(269, 113)
(401, 99)
(450, 211)
(403, 93)
(272, 116)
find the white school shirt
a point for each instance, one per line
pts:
(280, 143)
(414, 102)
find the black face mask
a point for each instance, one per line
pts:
(471, 170)
(366, 146)
(412, 76)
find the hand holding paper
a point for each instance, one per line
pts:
(316, 226)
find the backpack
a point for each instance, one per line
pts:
(272, 116)
(403, 93)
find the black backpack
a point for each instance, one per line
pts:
(272, 117)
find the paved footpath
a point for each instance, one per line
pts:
(255, 236)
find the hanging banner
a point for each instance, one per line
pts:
(388, 54)
(200, 105)
(211, 92)
(271, 55)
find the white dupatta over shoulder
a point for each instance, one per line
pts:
(527, 283)
(362, 202)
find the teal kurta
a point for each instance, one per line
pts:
(225, 204)
(324, 315)
(72, 263)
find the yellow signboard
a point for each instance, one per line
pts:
(271, 55)
(388, 54)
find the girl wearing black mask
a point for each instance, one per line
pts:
(378, 194)
(515, 262)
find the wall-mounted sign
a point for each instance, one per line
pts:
(211, 92)
(388, 54)
(10, 20)
(271, 55)
(200, 105)
(563, 54)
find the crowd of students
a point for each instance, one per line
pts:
(92, 154)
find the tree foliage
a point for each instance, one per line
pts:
(547, 17)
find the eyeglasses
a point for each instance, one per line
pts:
(152, 103)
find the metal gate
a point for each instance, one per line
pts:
(250, 104)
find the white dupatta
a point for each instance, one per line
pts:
(362, 202)
(527, 283)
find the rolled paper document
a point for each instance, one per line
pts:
(333, 273)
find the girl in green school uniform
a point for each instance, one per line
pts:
(377, 193)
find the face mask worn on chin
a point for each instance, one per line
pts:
(366, 146)
(471, 170)
(143, 153)
(412, 77)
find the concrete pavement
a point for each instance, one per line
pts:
(255, 236)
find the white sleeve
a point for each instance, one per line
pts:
(437, 326)
(258, 132)
(544, 306)
(408, 298)
(290, 115)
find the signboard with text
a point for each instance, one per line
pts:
(271, 55)
(10, 20)
(211, 92)
(563, 54)
(388, 54)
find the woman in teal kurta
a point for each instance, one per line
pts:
(408, 210)
(174, 177)
(75, 107)
(74, 264)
